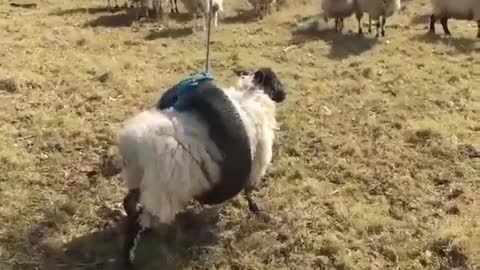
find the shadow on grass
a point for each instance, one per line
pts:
(181, 17)
(242, 16)
(460, 44)
(102, 249)
(342, 45)
(170, 33)
(124, 19)
(93, 10)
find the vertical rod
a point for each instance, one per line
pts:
(207, 64)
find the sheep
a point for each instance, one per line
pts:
(196, 7)
(209, 146)
(458, 9)
(377, 10)
(338, 9)
(109, 5)
(262, 7)
(154, 7)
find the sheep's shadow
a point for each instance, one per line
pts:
(102, 249)
(170, 33)
(241, 16)
(460, 44)
(342, 45)
(123, 19)
(93, 10)
(181, 17)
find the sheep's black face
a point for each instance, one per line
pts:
(265, 79)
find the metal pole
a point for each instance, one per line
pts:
(207, 65)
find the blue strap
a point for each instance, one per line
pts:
(173, 96)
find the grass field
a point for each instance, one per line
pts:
(375, 165)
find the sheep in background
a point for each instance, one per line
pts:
(209, 146)
(378, 10)
(262, 7)
(109, 5)
(457, 9)
(202, 7)
(338, 9)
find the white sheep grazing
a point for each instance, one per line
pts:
(202, 7)
(210, 152)
(378, 10)
(338, 9)
(457, 9)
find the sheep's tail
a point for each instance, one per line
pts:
(228, 132)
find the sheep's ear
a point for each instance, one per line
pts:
(259, 76)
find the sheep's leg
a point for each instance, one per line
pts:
(195, 18)
(369, 24)
(341, 24)
(205, 21)
(444, 22)
(432, 23)
(359, 16)
(134, 228)
(109, 6)
(378, 27)
(173, 7)
(384, 21)
(252, 205)
(215, 21)
(478, 29)
(336, 24)
(176, 6)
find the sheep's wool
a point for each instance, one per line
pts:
(170, 156)
(460, 9)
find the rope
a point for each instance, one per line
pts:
(207, 64)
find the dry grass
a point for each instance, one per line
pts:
(372, 166)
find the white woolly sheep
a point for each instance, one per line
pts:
(378, 10)
(338, 9)
(201, 7)
(457, 9)
(209, 147)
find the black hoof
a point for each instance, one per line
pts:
(254, 208)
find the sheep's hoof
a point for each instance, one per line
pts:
(129, 265)
(253, 208)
